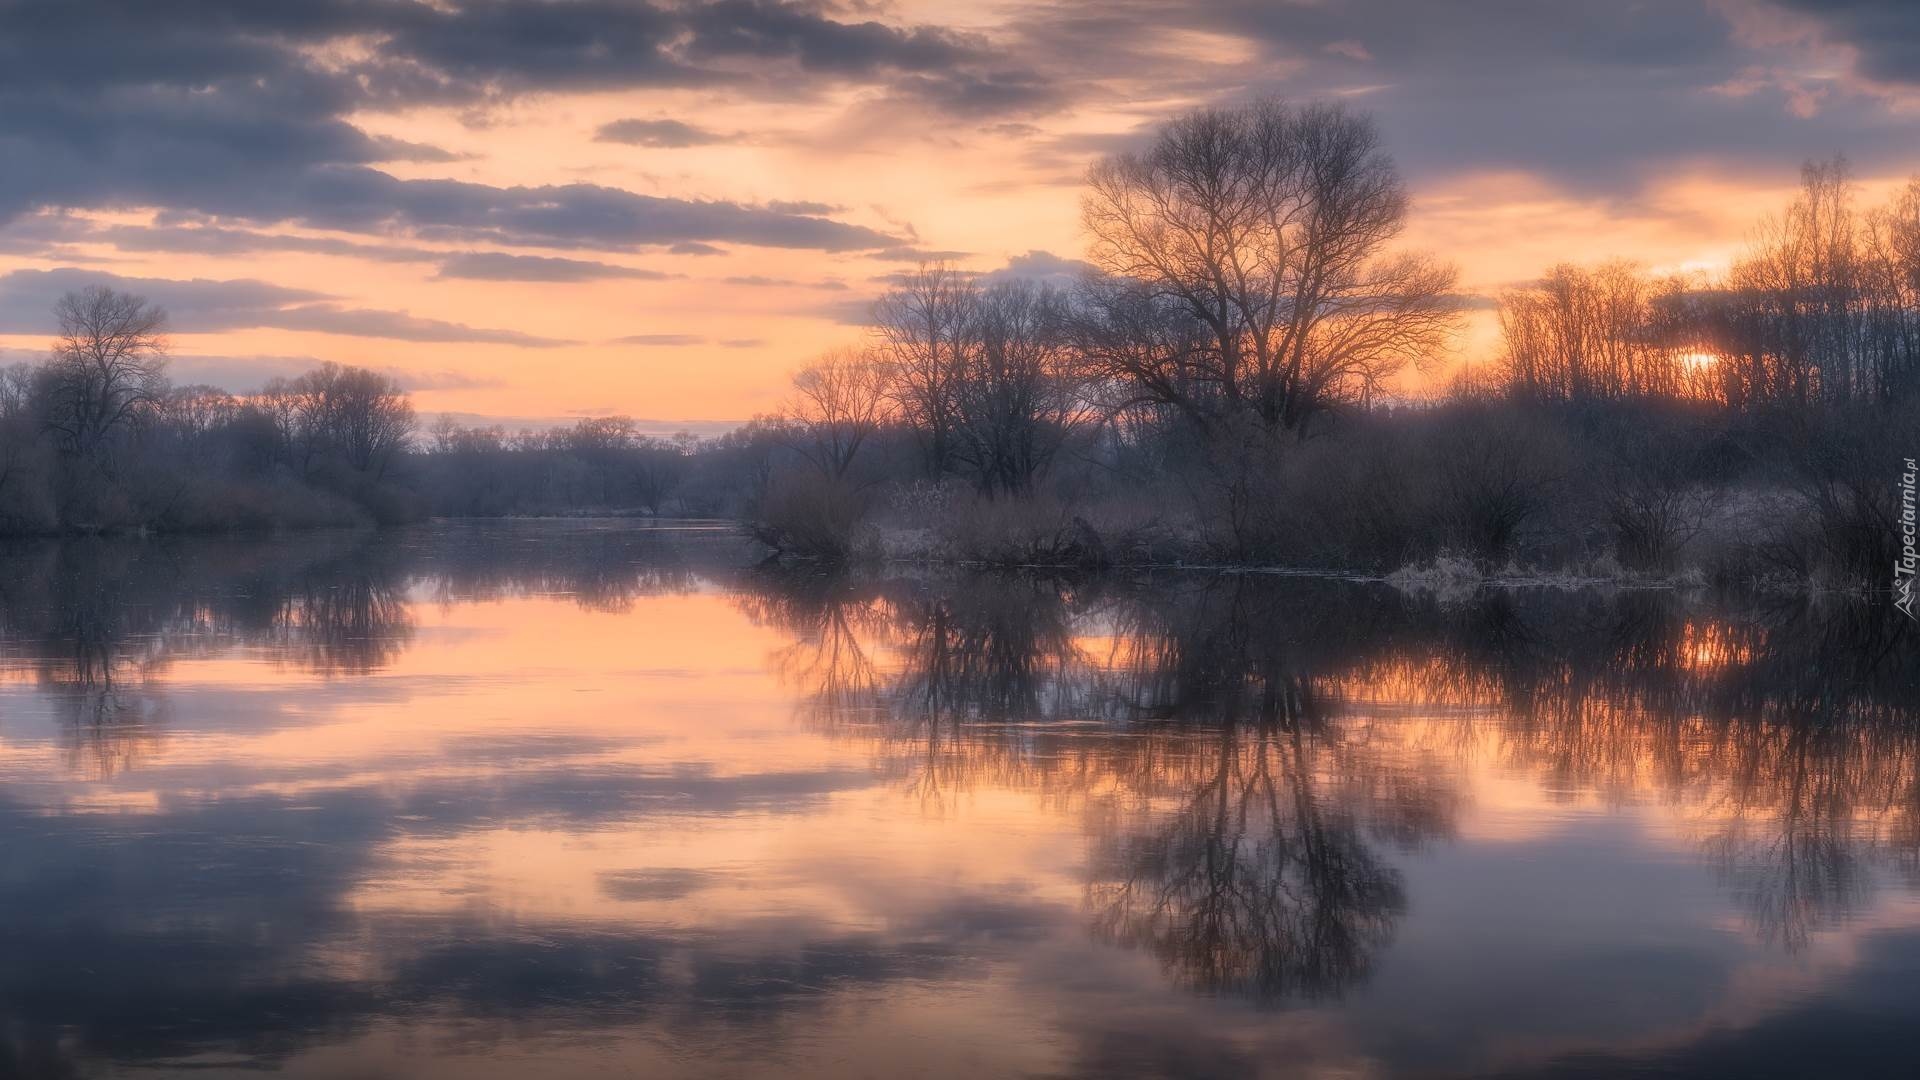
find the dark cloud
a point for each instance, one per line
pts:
(240, 109)
(1593, 95)
(694, 247)
(1885, 33)
(764, 31)
(981, 94)
(565, 215)
(497, 266)
(218, 240)
(662, 134)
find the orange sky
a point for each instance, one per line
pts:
(1659, 132)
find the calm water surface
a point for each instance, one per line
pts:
(594, 799)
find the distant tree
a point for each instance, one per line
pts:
(359, 417)
(194, 417)
(658, 468)
(1265, 227)
(840, 400)
(1016, 396)
(1584, 334)
(924, 326)
(108, 363)
(606, 445)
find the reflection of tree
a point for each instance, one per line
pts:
(342, 620)
(600, 566)
(829, 656)
(1257, 883)
(99, 622)
(1785, 740)
(1240, 748)
(108, 721)
(1233, 825)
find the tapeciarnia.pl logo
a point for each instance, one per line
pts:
(1903, 569)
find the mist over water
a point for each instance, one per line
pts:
(547, 799)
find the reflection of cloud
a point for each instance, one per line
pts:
(649, 885)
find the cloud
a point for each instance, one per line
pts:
(661, 134)
(236, 374)
(245, 374)
(219, 240)
(763, 281)
(1596, 97)
(694, 247)
(201, 305)
(397, 325)
(857, 312)
(563, 215)
(988, 94)
(497, 266)
(245, 110)
(911, 254)
(659, 339)
(1042, 266)
(439, 380)
(1883, 34)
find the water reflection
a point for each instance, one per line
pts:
(1239, 745)
(569, 797)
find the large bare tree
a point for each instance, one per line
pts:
(107, 365)
(1266, 226)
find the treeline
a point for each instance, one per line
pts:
(1822, 310)
(1216, 387)
(96, 438)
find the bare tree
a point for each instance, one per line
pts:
(1016, 397)
(1823, 308)
(1265, 226)
(1584, 334)
(841, 399)
(361, 417)
(923, 327)
(659, 465)
(107, 365)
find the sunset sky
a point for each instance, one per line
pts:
(534, 210)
